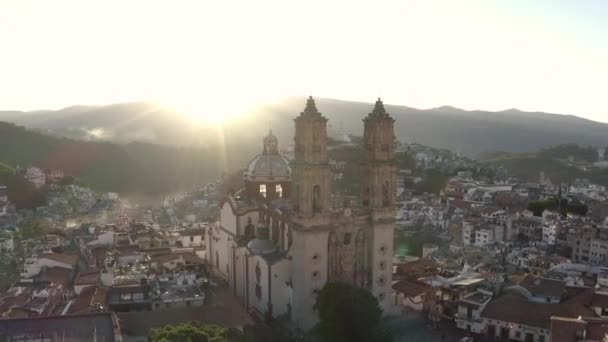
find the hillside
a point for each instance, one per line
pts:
(561, 163)
(465, 132)
(135, 168)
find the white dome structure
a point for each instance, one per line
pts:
(270, 166)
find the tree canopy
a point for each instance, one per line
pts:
(537, 207)
(349, 313)
(194, 331)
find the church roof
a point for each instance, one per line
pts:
(261, 246)
(268, 167)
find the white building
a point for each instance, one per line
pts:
(192, 237)
(481, 234)
(550, 224)
(7, 242)
(470, 307)
(36, 176)
(34, 265)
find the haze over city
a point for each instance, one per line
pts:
(312, 171)
(212, 59)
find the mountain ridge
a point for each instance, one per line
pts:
(463, 131)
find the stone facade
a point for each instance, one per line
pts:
(305, 242)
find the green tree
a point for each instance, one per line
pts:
(31, 230)
(194, 331)
(349, 314)
(433, 182)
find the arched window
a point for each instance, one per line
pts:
(263, 190)
(249, 230)
(258, 279)
(361, 276)
(385, 195)
(333, 262)
(278, 190)
(316, 199)
(275, 231)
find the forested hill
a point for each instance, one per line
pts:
(462, 131)
(561, 163)
(135, 168)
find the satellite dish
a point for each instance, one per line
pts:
(347, 212)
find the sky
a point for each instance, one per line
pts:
(215, 58)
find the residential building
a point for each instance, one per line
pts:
(468, 317)
(35, 264)
(100, 327)
(35, 176)
(412, 294)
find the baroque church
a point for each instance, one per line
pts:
(278, 239)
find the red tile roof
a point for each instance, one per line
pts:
(69, 259)
(600, 299)
(543, 286)
(411, 288)
(83, 302)
(57, 276)
(87, 277)
(515, 308)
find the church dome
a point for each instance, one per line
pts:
(261, 246)
(270, 165)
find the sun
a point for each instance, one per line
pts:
(215, 110)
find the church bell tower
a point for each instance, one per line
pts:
(311, 190)
(312, 175)
(378, 183)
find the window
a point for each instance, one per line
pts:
(384, 147)
(385, 195)
(383, 249)
(192, 239)
(263, 190)
(347, 237)
(279, 190)
(316, 199)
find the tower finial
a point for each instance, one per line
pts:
(311, 107)
(378, 109)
